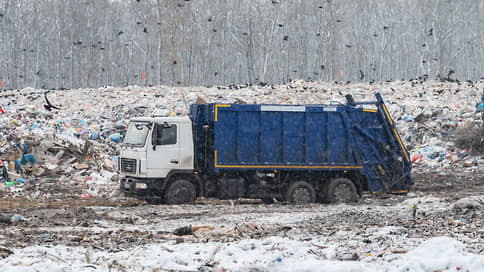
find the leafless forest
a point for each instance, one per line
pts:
(78, 43)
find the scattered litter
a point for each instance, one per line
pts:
(4, 219)
(18, 218)
(5, 252)
(59, 146)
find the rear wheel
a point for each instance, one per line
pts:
(341, 190)
(180, 191)
(300, 192)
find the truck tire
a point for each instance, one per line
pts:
(180, 191)
(300, 192)
(341, 190)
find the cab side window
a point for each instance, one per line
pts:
(164, 135)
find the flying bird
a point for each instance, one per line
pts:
(49, 106)
(450, 73)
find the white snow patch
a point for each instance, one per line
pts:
(270, 254)
(439, 254)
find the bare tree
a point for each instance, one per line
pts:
(71, 43)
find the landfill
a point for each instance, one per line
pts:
(66, 141)
(61, 208)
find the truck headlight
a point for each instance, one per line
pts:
(141, 186)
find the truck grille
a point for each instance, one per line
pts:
(128, 165)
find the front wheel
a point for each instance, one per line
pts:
(301, 192)
(341, 190)
(180, 191)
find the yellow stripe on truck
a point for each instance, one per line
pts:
(216, 110)
(287, 166)
(388, 115)
(396, 133)
(401, 145)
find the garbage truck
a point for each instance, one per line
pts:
(293, 153)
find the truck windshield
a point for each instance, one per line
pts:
(136, 134)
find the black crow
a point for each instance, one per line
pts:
(49, 106)
(450, 73)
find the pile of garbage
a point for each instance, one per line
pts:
(71, 138)
(48, 150)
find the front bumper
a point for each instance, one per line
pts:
(140, 187)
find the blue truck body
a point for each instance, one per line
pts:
(314, 143)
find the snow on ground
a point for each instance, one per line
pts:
(269, 254)
(373, 235)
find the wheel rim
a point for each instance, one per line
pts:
(182, 194)
(343, 193)
(301, 195)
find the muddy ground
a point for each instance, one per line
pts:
(439, 205)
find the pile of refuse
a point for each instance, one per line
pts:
(71, 138)
(49, 150)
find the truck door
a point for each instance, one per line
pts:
(163, 150)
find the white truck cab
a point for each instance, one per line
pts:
(152, 148)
